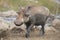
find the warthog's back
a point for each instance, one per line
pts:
(38, 9)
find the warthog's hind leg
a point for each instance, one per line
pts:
(42, 31)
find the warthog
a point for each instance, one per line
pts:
(31, 16)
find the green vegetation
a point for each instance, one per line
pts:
(14, 4)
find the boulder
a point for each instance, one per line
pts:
(3, 25)
(9, 13)
(56, 22)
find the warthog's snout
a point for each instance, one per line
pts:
(18, 24)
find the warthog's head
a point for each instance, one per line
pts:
(21, 17)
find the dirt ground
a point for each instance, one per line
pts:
(34, 35)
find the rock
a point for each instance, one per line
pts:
(3, 25)
(9, 13)
(16, 30)
(56, 22)
(57, 16)
(3, 28)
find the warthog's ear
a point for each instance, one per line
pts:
(28, 8)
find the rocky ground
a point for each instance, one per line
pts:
(49, 35)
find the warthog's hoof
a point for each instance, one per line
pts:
(27, 35)
(42, 33)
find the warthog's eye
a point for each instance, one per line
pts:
(26, 19)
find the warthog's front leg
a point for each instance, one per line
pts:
(28, 30)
